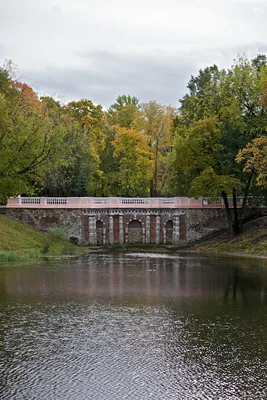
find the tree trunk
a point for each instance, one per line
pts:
(236, 226)
(247, 192)
(228, 213)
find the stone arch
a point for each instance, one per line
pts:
(99, 232)
(135, 231)
(169, 231)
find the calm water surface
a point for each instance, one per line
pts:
(134, 326)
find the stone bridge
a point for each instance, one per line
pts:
(94, 220)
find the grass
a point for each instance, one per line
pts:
(253, 240)
(16, 236)
(21, 242)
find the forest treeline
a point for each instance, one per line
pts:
(214, 144)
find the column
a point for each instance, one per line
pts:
(111, 233)
(157, 229)
(148, 228)
(104, 235)
(121, 230)
(176, 229)
(91, 229)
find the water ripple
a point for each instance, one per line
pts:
(130, 347)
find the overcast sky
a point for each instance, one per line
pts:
(100, 49)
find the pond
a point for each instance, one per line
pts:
(134, 326)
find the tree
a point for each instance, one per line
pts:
(254, 160)
(155, 121)
(196, 156)
(136, 168)
(75, 166)
(91, 120)
(124, 111)
(28, 140)
(203, 99)
(235, 99)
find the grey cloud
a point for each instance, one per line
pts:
(2, 51)
(103, 75)
(106, 75)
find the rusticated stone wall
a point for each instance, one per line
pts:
(201, 223)
(126, 225)
(71, 220)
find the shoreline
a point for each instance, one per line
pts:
(31, 256)
(175, 250)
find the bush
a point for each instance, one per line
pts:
(52, 236)
(74, 240)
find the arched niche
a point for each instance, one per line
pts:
(99, 232)
(169, 231)
(135, 232)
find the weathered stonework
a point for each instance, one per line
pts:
(70, 220)
(108, 226)
(203, 222)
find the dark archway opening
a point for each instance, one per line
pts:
(169, 231)
(99, 232)
(135, 232)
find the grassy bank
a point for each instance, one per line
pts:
(19, 242)
(252, 241)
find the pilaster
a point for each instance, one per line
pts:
(176, 229)
(111, 233)
(157, 229)
(91, 229)
(148, 228)
(121, 231)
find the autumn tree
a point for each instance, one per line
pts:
(134, 158)
(155, 121)
(254, 160)
(90, 118)
(28, 140)
(71, 176)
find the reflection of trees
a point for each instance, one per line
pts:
(236, 281)
(219, 344)
(219, 341)
(244, 281)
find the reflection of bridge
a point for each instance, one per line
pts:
(139, 278)
(96, 220)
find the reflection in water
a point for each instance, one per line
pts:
(117, 276)
(236, 281)
(134, 326)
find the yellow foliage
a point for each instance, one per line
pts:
(254, 158)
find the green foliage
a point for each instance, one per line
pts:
(25, 256)
(124, 111)
(133, 153)
(209, 184)
(196, 156)
(55, 242)
(77, 149)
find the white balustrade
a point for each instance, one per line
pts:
(30, 200)
(168, 200)
(56, 200)
(134, 200)
(99, 200)
(116, 202)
